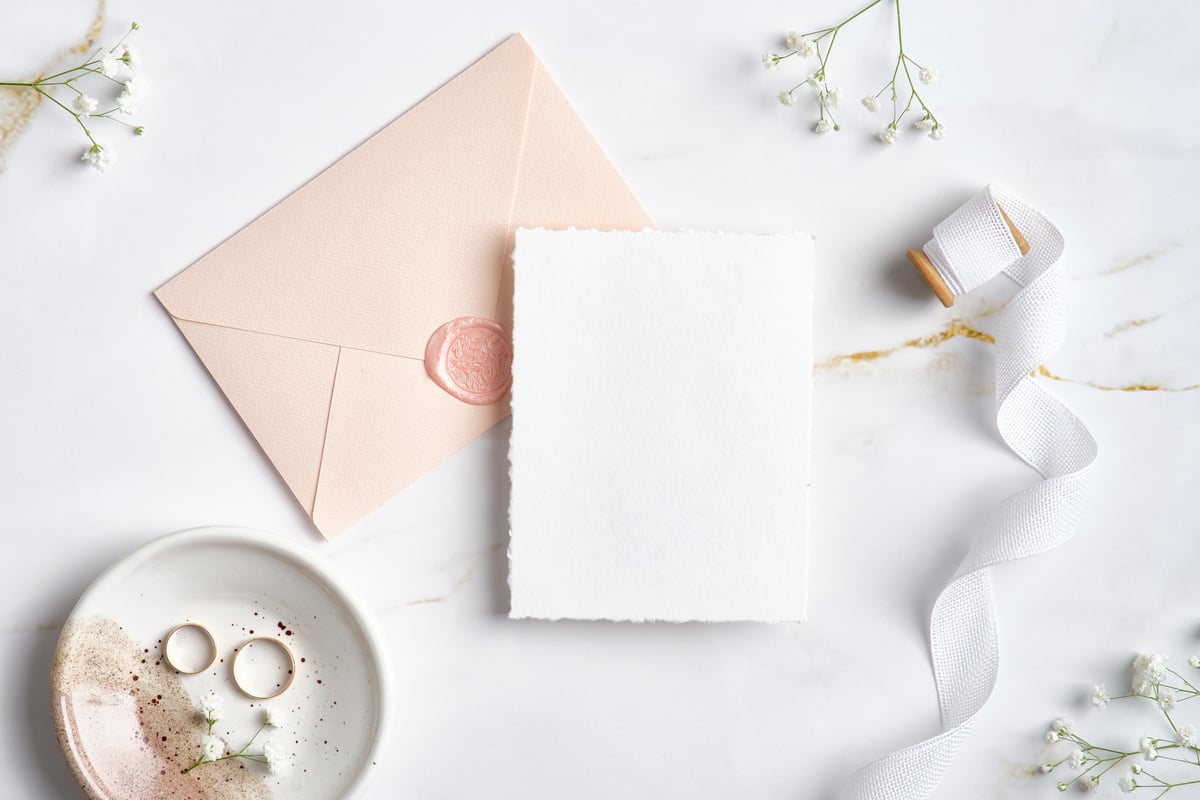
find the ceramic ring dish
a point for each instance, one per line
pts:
(128, 724)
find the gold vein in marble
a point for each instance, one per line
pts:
(21, 102)
(1133, 261)
(1131, 324)
(957, 327)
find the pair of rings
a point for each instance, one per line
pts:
(237, 654)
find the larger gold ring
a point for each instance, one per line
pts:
(291, 676)
(212, 646)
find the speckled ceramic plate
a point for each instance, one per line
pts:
(127, 723)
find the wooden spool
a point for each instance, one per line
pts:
(934, 278)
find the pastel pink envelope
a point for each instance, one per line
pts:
(314, 318)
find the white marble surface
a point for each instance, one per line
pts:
(114, 433)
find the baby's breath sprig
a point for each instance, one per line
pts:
(1152, 680)
(107, 65)
(820, 43)
(214, 749)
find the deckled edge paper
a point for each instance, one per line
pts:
(662, 387)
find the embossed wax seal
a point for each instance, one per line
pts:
(471, 358)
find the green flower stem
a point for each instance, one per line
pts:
(902, 60)
(821, 34)
(78, 119)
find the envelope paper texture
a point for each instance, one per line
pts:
(314, 318)
(660, 444)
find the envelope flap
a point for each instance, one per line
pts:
(408, 230)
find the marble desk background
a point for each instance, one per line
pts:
(114, 434)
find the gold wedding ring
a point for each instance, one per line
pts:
(291, 674)
(212, 646)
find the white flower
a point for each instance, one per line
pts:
(1188, 736)
(813, 82)
(1194, 662)
(1092, 784)
(1127, 783)
(1148, 669)
(889, 135)
(109, 65)
(930, 74)
(213, 746)
(787, 98)
(132, 56)
(212, 707)
(770, 61)
(1167, 700)
(804, 47)
(1099, 696)
(276, 717)
(1146, 746)
(822, 126)
(99, 157)
(85, 105)
(1076, 760)
(832, 98)
(128, 101)
(1062, 725)
(1136, 769)
(924, 124)
(1051, 736)
(871, 103)
(278, 760)
(938, 132)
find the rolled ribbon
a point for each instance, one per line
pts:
(980, 240)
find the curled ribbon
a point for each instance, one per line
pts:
(971, 246)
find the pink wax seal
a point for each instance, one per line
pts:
(471, 359)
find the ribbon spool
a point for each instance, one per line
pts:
(970, 247)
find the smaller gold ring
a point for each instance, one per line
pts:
(291, 671)
(212, 646)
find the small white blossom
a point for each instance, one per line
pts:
(924, 124)
(813, 82)
(1091, 784)
(770, 61)
(99, 157)
(131, 56)
(1099, 696)
(1136, 768)
(1062, 725)
(787, 98)
(276, 717)
(85, 105)
(213, 746)
(832, 98)
(1146, 746)
(822, 126)
(1148, 669)
(212, 707)
(278, 760)
(938, 133)
(889, 135)
(1167, 700)
(930, 74)
(109, 65)
(128, 101)
(1194, 662)
(791, 40)
(871, 103)
(1076, 760)
(804, 47)
(1188, 736)
(1127, 783)
(1045, 768)
(1051, 736)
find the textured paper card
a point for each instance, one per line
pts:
(660, 443)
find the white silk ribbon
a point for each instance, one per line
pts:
(969, 248)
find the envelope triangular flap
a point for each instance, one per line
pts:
(286, 406)
(403, 233)
(566, 180)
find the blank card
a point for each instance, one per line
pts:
(660, 445)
